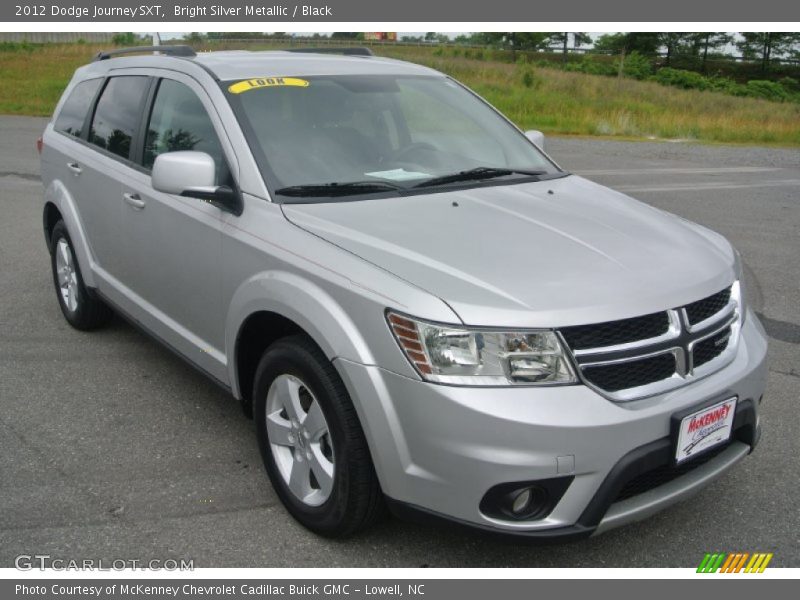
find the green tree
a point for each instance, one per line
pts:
(531, 40)
(767, 46)
(239, 35)
(676, 43)
(123, 39)
(612, 43)
(581, 39)
(645, 43)
(528, 40)
(562, 39)
(514, 40)
(710, 41)
(194, 37)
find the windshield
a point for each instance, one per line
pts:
(335, 136)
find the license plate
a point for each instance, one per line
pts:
(705, 429)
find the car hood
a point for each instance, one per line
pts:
(550, 253)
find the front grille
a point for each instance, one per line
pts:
(711, 348)
(707, 307)
(612, 333)
(619, 356)
(664, 474)
(619, 376)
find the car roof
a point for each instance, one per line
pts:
(243, 64)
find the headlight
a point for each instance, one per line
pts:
(459, 356)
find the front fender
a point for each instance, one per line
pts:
(303, 302)
(57, 194)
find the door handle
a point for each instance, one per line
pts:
(75, 168)
(134, 200)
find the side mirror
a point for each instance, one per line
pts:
(192, 174)
(179, 172)
(537, 137)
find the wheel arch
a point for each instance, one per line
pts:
(273, 304)
(50, 216)
(59, 203)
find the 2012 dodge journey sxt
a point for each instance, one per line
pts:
(419, 308)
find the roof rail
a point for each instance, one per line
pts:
(172, 50)
(355, 51)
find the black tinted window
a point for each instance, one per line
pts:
(73, 114)
(117, 114)
(180, 122)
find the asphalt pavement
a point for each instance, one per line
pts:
(113, 448)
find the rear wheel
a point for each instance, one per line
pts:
(81, 308)
(311, 441)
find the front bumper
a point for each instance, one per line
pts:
(438, 449)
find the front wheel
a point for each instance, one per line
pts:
(311, 440)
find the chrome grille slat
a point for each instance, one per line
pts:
(602, 367)
(727, 311)
(616, 333)
(606, 352)
(620, 375)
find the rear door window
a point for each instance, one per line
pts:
(179, 121)
(116, 117)
(73, 114)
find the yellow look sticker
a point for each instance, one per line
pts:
(262, 82)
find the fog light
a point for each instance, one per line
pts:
(525, 503)
(524, 500)
(521, 502)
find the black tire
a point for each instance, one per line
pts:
(356, 500)
(247, 407)
(90, 312)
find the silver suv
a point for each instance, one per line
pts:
(420, 309)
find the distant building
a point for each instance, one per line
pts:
(380, 36)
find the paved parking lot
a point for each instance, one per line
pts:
(110, 447)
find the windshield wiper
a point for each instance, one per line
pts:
(476, 174)
(338, 189)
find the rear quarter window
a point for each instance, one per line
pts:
(73, 114)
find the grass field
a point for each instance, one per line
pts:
(555, 101)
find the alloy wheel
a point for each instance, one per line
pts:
(67, 275)
(300, 440)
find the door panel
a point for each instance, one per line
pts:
(97, 189)
(103, 163)
(173, 247)
(173, 242)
